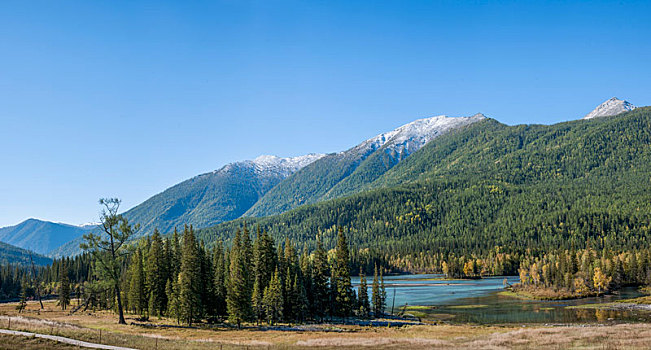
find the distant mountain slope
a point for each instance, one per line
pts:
(211, 198)
(10, 254)
(489, 184)
(344, 173)
(40, 236)
(610, 108)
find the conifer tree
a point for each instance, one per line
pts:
(219, 279)
(206, 286)
(289, 307)
(190, 278)
(383, 290)
(273, 299)
(320, 287)
(175, 255)
(107, 247)
(301, 304)
(306, 275)
(343, 290)
(156, 276)
(264, 260)
(378, 300)
(238, 299)
(22, 303)
(173, 300)
(137, 294)
(64, 285)
(362, 296)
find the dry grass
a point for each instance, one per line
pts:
(86, 326)
(30, 343)
(544, 293)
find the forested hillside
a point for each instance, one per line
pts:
(10, 255)
(41, 236)
(491, 187)
(214, 197)
(339, 174)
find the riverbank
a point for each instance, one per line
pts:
(635, 304)
(543, 293)
(101, 327)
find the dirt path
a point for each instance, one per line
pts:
(64, 340)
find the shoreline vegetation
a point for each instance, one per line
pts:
(100, 327)
(545, 293)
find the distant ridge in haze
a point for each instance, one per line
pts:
(10, 255)
(41, 236)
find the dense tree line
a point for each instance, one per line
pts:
(586, 271)
(252, 280)
(13, 277)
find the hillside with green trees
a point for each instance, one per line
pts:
(205, 200)
(11, 255)
(490, 187)
(340, 174)
(41, 236)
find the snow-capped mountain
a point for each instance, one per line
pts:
(220, 195)
(613, 106)
(347, 172)
(411, 137)
(283, 166)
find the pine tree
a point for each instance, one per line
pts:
(175, 255)
(22, 303)
(137, 296)
(156, 276)
(301, 304)
(383, 291)
(378, 299)
(320, 287)
(238, 299)
(190, 278)
(307, 286)
(173, 300)
(64, 286)
(264, 261)
(206, 286)
(362, 296)
(219, 279)
(343, 290)
(107, 248)
(273, 299)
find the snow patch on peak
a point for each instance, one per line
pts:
(286, 166)
(609, 108)
(412, 136)
(268, 164)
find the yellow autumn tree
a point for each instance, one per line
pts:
(601, 281)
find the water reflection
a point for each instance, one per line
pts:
(478, 301)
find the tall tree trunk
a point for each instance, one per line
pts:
(120, 312)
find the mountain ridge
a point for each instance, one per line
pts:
(571, 183)
(609, 108)
(40, 236)
(327, 177)
(246, 186)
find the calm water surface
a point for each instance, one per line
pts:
(478, 301)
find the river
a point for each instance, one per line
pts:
(478, 301)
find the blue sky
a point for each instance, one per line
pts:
(126, 98)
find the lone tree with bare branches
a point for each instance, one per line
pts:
(108, 246)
